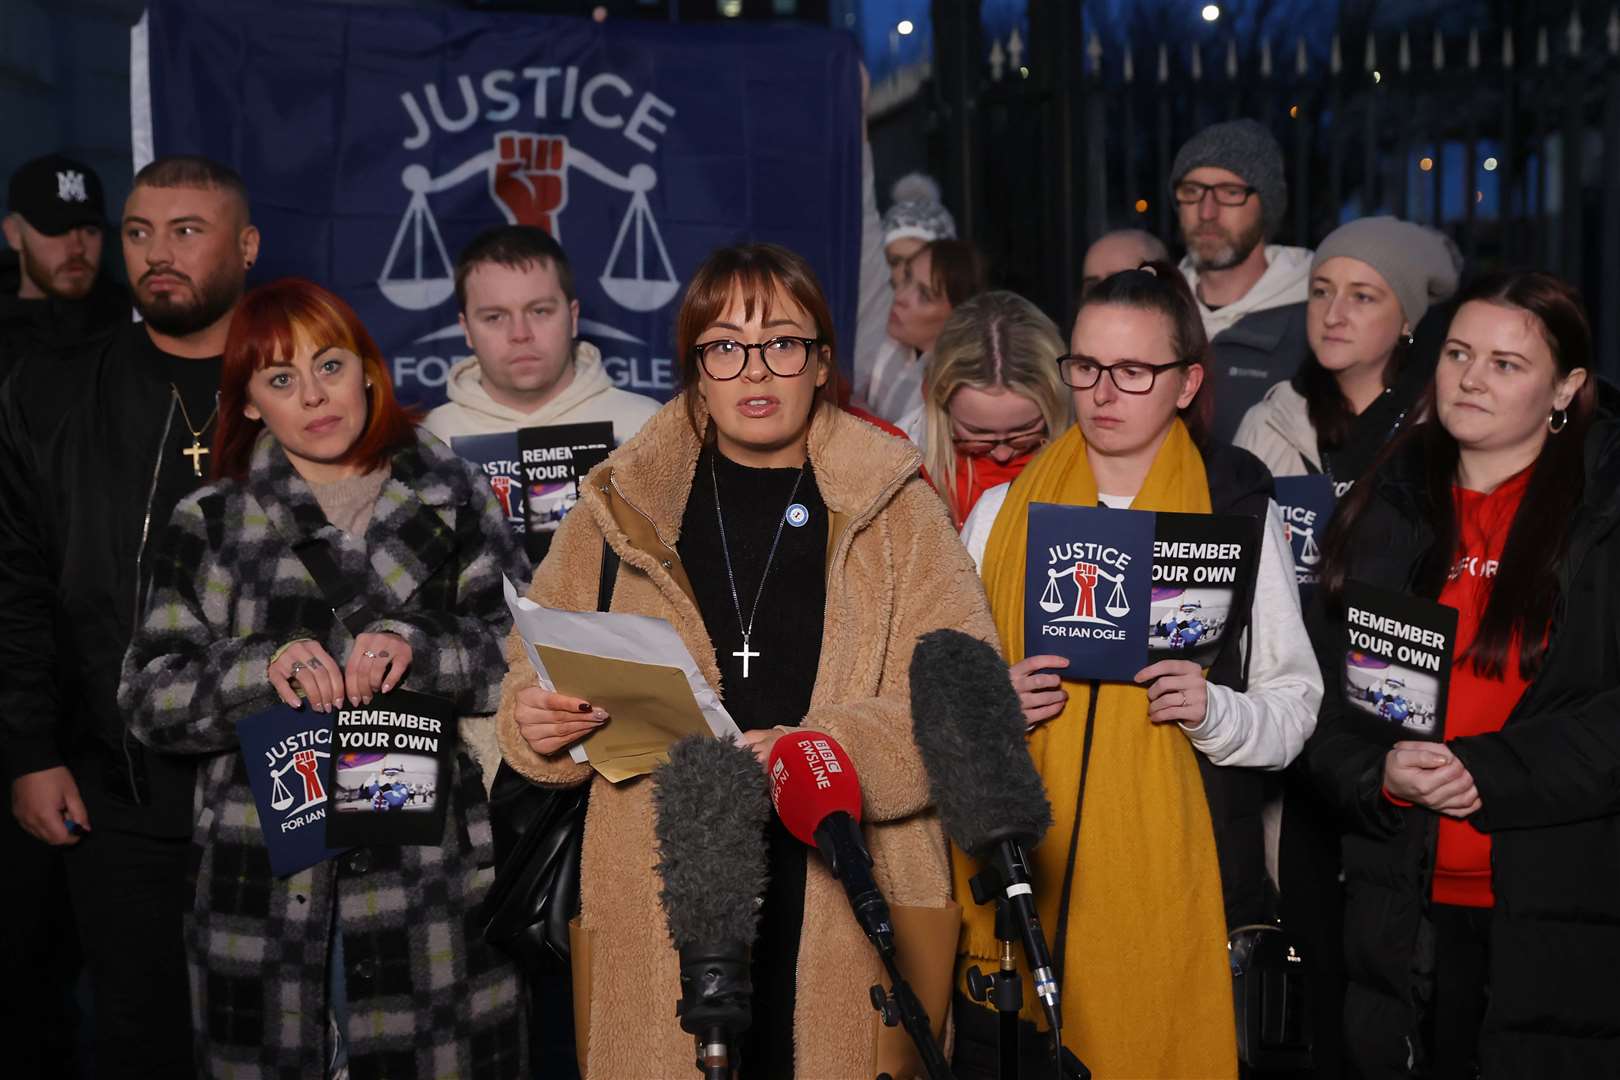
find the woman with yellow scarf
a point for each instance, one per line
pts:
(1137, 892)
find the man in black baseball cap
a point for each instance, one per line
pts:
(52, 291)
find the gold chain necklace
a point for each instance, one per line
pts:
(196, 450)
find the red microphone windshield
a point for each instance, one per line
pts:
(812, 777)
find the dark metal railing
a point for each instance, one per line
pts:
(1511, 146)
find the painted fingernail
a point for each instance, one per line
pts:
(584, 706)
(600, 715)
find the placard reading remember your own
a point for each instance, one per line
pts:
(1397, 658)
(390, 771)
(1115, 590)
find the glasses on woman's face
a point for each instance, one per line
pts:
(1130, 376)
(1019, 442)
(725, 359)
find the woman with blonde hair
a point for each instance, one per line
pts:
(991, 398)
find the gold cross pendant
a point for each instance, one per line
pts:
(195, 452)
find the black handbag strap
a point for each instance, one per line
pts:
(346, 599)
(1061, 942)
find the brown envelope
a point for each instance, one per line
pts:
(651, 706)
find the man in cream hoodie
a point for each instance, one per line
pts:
(521, 317)
(1228, 183)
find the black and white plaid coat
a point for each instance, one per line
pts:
(426, 996)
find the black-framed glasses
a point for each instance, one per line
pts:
(1130, 376)
(1189, 192)
(1021, 442)
(784, 357)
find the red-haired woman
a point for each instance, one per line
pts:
(799, 555)
(365, 958)
(1482, 872)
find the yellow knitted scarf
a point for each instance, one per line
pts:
(1146, 987)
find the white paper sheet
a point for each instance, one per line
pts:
(616, 636)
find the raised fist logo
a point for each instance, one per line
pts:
(501, 484)
(529, 182)
(306, 766)
(1085, 605)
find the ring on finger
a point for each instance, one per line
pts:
(382, 653)
(315, 665)
(298, 665)
(370, 655)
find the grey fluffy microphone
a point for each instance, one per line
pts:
(969, 731)
(710, 809)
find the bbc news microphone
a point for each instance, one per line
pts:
(969, 731)
(817, 796)
(710, 812)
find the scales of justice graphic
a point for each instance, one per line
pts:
(1085, 606)
(1309, 553)
(427, 280)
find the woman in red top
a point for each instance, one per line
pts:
(1482, 872)
(992, 397)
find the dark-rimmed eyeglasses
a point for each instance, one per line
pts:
(1021, 442)
(1130, 376)
(1189, 192)
(784, 357)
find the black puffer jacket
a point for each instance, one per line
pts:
(1549, 785)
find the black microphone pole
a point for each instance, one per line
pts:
(901, 1005)
(1003, 989)
(1000, 882)
(838, 839)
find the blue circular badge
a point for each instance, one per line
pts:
(797, 515)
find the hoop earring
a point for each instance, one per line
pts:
(1557, 420)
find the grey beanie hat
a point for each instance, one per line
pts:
(1420, 264)
(1244, 147)
(917, 212)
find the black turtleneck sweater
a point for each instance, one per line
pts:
(787, 635)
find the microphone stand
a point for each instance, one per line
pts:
(901, 1005)
(838, 839)
(1004, 988)
(716, 1004)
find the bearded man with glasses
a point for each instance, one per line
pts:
(1230, 192)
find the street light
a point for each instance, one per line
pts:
(1211, 12)
(905, 27)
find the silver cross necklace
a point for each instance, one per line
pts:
(745, 653)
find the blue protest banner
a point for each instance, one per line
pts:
(1116, 590)
(288, 756)
(1307, 504)
(499, 459)
(378, 141)
(1086, 588)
